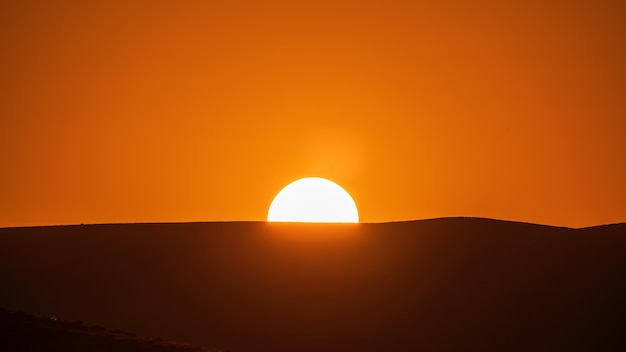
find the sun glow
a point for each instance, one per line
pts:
(313, 199)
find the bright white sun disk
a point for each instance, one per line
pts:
(313, 199)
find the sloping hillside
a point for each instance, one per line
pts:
(455, 284)
(21, 332)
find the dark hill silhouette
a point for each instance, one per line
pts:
(20, 332)
(452, 284)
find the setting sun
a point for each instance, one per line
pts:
(313, 199)
(299, 176)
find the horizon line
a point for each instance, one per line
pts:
(305, 223)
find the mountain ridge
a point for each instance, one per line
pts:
(439, 285)
(364, 223)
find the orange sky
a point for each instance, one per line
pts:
(203, 110)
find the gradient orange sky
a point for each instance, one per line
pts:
(158, 111)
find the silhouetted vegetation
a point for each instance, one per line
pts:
(22, 332)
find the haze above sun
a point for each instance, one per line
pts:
(313, 199)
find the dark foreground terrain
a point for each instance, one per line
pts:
(455, 284)
(23, 332)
